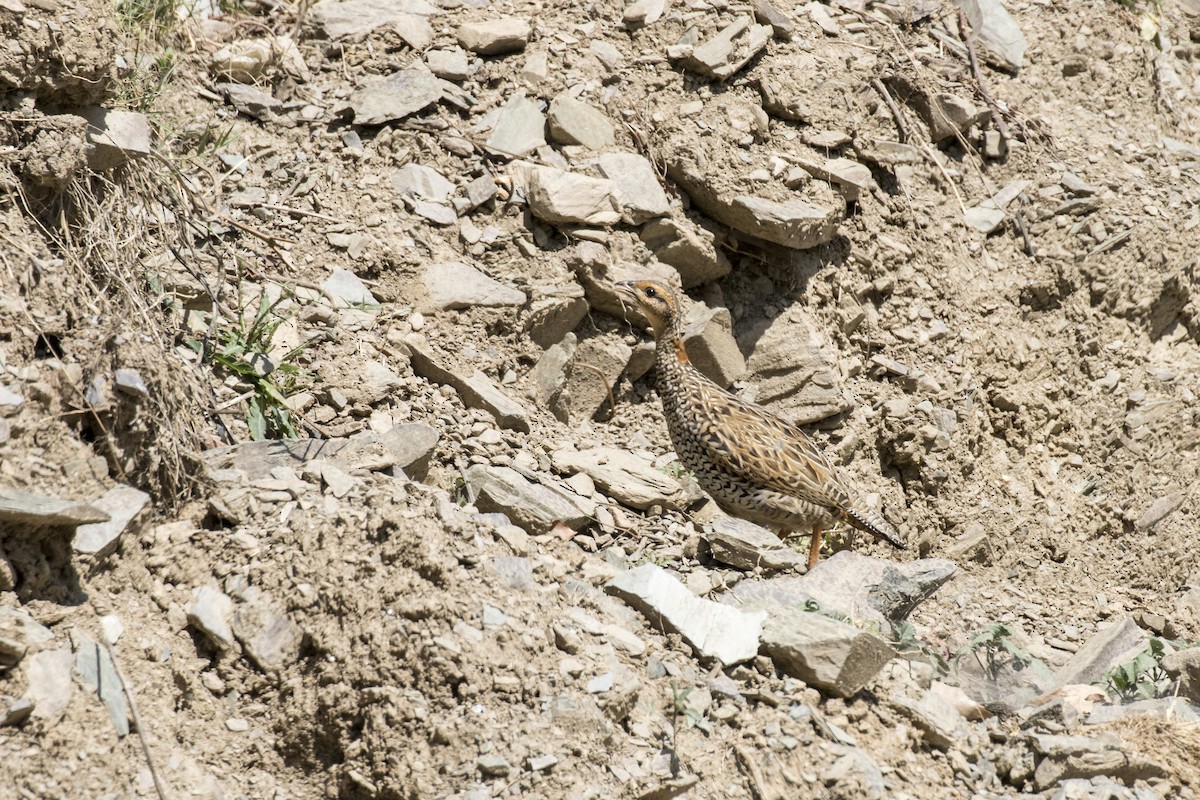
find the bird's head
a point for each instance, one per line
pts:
(658, 303)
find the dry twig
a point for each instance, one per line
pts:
(964, 33)
(901, 127)
(137, 721)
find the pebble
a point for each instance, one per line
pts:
(494, 36)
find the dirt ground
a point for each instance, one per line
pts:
(1022, 401)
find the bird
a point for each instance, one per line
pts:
(754, 464)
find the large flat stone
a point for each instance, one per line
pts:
(477, 390)
(623, 476)
(454, 285)
(272, 640)
(48, 677)
(593, 368)
(395, 97)
(492, 37)
(408, 447)
(95, 666)
(573, 121)
(1109, 647)
(642, 196)
(792, 223)
(728, 51)
(823, 652)
(727, 634)
(861, 587)
(41, 509)
(689, 248)
(520, 129)
(535, 507)
(708, 338)
(796, 369)
(555, 312)
(122, 504)
(561, 197)
(353, 18)
(745, 545)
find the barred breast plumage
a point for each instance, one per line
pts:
(753, 464)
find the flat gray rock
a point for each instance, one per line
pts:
(708, 337)
(210, 611)
(477, 390)
(744, 545)
(1111, 646)
(823, 652)
(354, 18)
(996, 30)
(689, 248)
(642, 196)
(623, 476)
(558, 196)
(450, 63)
(858, 586)
(395, 97)
(130, 382)
(941, 724)
(850, 176)
(583, 391)
(535, 507)
(417, 180)
(728, 51)
(555, 312)
(520, 129)
(493, 37)
(48, 676)
(573, 121)
(727, 634)
(797, 369)
(271, 639)
(984, 217)
(644, 12)
(250, 101)
(116, 137)
(122, 504)
(41, 509)
(348, 290)
(792, 223)
(454, 285)
(405, 446)
(94, 664)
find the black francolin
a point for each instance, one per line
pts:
(752, 463)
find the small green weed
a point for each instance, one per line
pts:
(241, 351)
(692, 716)
(996, 651)
(1142, 678)
(904, 639)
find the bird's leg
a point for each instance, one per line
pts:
(814, 549)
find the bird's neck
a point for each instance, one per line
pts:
(670, 356)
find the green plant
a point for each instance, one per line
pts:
(241, 350)
(692, 716)
(904, 638)
(677, 470)
(1142, 678)
(995, 650)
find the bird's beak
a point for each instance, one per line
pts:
(626, 290)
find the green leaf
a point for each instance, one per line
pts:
(255, 420)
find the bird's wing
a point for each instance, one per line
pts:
(746, 439)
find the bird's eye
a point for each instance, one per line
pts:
(650, 292)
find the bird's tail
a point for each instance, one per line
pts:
(875, 525)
